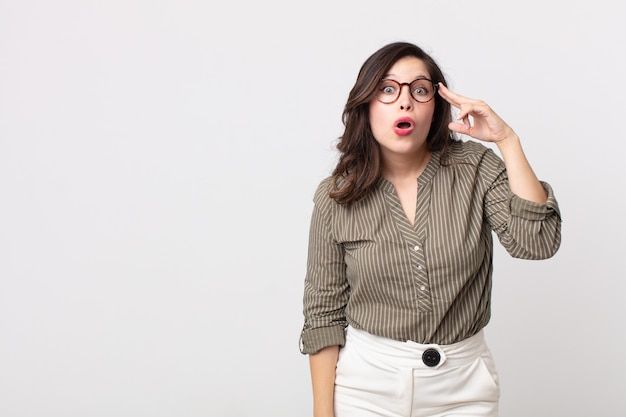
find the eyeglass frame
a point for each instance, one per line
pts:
(400, 85)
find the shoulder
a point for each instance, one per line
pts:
(470, 153)
(323, 189)
(323, 201)
(321, 198)
(465, 151)
(326, 186)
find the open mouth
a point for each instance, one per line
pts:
(404, 126)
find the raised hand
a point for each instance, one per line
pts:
(486, 125)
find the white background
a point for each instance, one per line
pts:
(157, 164)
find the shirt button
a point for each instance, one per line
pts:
(419, 267)
(423, 287)
(416, 247)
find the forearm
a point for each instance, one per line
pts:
(323, 365)
(489, 127)
(522, 179)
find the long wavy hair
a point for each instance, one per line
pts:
(360, 164)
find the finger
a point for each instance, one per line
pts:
(451, 97)
(445, 93)
(461, 128)
(466, 121)
(475, 108)
(465, 110)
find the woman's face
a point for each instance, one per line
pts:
(401, 127)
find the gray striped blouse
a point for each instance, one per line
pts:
(431, 282)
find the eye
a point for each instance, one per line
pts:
(421, 88)
(388, 89)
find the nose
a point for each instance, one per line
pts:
(405, 100)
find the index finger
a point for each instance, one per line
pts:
(452, 97)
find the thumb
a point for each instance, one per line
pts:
(459, 128)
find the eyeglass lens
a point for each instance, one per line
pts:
(422, 90)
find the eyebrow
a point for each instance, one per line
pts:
(419, 77)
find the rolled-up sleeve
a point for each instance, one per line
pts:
(326, 289)
(526, 229)
(535, 227)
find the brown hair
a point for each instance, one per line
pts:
(359, 165)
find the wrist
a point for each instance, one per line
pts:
(509, 142)
(317, 413)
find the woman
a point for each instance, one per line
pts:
(398, 281)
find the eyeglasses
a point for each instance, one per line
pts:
(422, 90)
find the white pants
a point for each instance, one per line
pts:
(381, 377)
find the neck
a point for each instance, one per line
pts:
(403, 167)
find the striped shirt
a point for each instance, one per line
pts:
(430, 282)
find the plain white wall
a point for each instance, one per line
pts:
(157, 164)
